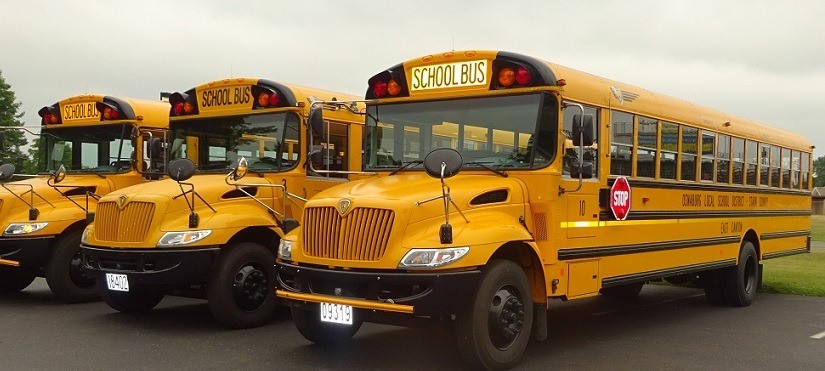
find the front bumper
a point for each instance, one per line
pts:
(425, 294)
(152, 266)
(29, 253)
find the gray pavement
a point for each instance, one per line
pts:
(666, 328)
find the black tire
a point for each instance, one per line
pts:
(310, 326)
(64, 271)
(625, 292)
(241, 288)
(494, 330)
(14, 280)
(137, 299)
(741, 281)
(713, 282)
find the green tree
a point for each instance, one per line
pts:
(819, 172)
(11, 140)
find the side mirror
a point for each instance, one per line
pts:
(585, 171)
(156, 149)
(6, 172)
(57, 151)
(443, 163)
(59, 174)
(181, 169)
(582, 130)
(317, 157)
(240, 170)
(316, 122)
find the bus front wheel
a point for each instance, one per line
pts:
(241, 288)
(494, 330)
(64, 271)
(741, 281)
(14, 280)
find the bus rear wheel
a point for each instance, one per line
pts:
(309, 324)
(494, 330)
(137, 299)
(741, 281)
(14, 280)
(241, 288)
(64, 271)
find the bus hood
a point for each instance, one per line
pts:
(405, 193)
(13, 209)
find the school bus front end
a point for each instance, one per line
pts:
(238, 179)
(90, 146)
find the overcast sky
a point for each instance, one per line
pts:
(763, 60)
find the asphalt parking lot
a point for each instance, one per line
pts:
(666, 328)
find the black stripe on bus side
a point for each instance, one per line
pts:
(596, 252)
(779, 254)
(657, 274)
(681, 214)
(642, 183)
(775, 235)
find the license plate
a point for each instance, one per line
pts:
(117, 282)
(336, 313)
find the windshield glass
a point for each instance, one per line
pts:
(100, 149)
(497, 132)
(269, 142)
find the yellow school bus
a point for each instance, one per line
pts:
(90, 145)
(508, 181)
(209, 232)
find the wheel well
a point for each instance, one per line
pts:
(76, 226)
(523, 255)
(261, 235)
(751, 236)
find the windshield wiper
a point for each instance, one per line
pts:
(95, 172)
(406, 165)
(482, 165)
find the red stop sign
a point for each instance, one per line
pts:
(620, 198)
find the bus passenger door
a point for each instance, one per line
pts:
(329, 158)
(581, 219)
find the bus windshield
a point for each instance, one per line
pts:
(269, 142)
(92, 149)
(503, 132)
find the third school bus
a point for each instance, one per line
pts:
(209, 232)
(506, 181)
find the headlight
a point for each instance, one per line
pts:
(84, 238)
(285, 250)
(182, 238)
(431, 258)
(16, 229)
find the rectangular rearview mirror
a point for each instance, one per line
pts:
(582, 131)
(585, 171)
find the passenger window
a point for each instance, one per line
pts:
(708, 141)
(621, 143)
(751, 164)
(723, 159)
(571, 153)
(689, 153)
(795, 167)
(786, 168)
(670, 148)
(764, 164)
(806, 170)
(738, 157)
(775, 170)
(648, 141)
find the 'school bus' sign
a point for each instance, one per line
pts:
(449, 75)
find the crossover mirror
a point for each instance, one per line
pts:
(443, 163)
(181, 169)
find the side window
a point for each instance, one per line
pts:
(571, 153)
(621, 143)
(751, 164)
(738, 160)
(670, 148)
(690, 148)
(806, 170)
(786, 168)
(795, 168)
(708, 147)
(764, 164)
(648, 142)
(89, 156)
(775, 171)
(723, 159)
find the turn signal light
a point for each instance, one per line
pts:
(506, 77)
(263, 99)
(393, 88)
(178, 108)
(380, 89)
(266, 99)
(274, 100)
(188, 107)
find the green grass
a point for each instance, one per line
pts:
(818, 228)
(802, 274)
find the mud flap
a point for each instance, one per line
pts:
(539, 321)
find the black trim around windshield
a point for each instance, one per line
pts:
(544, 99)
(126, 134)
